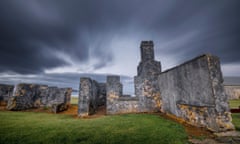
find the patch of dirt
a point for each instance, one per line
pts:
(101, 111)
(235, 110)
(192, 131)
(2, 107)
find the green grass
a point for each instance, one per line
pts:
(29, 127)
(234, 103)
(236, 120)
(74, 100)
(235, 116)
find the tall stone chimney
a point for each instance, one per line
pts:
(147, 52)
(148, 66)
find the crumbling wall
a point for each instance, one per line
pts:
(5, 92)
(101, 94)
(62, 100)
(87, 101)
(233, 92)
(28, 96)
(116, 102)
(194, 92)
(25, 96)
(146, 83)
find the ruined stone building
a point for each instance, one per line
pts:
(26, 96)
(192, 91)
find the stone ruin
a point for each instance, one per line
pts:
(91, 95)
(26, 96)
(5, 92)
(192, 91)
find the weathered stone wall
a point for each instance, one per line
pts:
(146, 81)
(233, 92)
(194, 92)
(117, 102)
(5, 92)
(88, 93)
(28, 96)
(102, 94)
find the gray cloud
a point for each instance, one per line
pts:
(37, 35)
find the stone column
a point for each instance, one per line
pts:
(85, 91)
(114, 91)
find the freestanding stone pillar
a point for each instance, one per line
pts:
(88, 92)
(114, 91)
(85, 92)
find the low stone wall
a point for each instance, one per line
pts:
(233, 92)
(194, 92)
(5, 92)
(28, 96)
(116, 102)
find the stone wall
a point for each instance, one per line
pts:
(233, 92)
(116, 101)
(194, 92)
(146, 84)
(27, 96)
(102, 94)
(5, 92)
(87, 101)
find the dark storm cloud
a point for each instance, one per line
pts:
(33, 32)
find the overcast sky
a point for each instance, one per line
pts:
(56, 42)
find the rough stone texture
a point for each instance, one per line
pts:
(146, 81)
(26, 96)
(194, 92)
(88, 92)
(233, 92)
(116, 101)
(102, 94)
(43, 94)
(5, 93)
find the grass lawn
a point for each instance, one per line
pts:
(236, 120)
(30, 127)
(234, 103)
(74, 100)
(235, 116)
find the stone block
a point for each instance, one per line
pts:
(88, 92)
